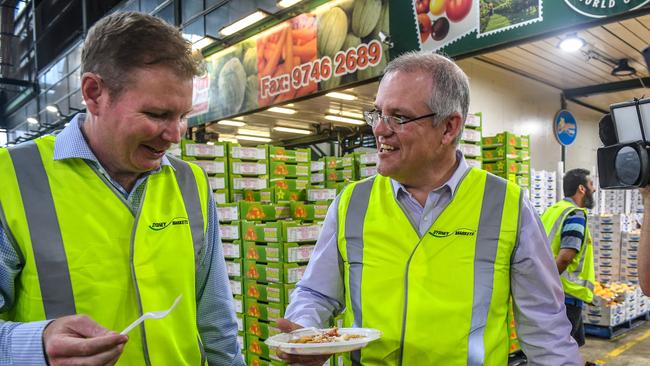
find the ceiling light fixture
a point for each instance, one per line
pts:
(203, 42)
(343, 96)
(623, 68)
(253, 138)
(282, 110)
(292, 130)
(52, 108)
(353, 121)
(245, 131)
(243, 23)
(287, 3)
(32, 120)
(571, 43)
(357, 115)
(229, 122)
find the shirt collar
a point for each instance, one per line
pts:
(570, 200)
(452, 183)
(71, 143)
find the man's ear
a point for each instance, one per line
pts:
(94, 92)
(452, 127)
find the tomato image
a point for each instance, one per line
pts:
(422, 6)
(437, 7)
(457, 10)
(424, 23)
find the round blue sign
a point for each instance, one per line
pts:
(565, 127)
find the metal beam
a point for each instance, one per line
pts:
(587, 105)
(612, 87)
(17, 82)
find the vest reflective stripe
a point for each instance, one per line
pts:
(354, 238)
(579, 277)
(49, 254)
(487, 242)
(189, 190)
(491, 231)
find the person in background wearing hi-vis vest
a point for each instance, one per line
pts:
(566, 226)
(429, 250)
(99, 225)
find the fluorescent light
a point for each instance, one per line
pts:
(287, 3)
(210, 143)
(282, 110)
(571, 43)
(344, 119)
(203, 42)
(52, 108)
(32, 120)
(240, 118)
(292, 130)
(253, 138)
(228, 139)
(356, 115)
(343, 96)
(244, 131)
(243, 23)
(229, 122)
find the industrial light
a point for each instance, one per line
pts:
(203, 42)
(343, 96)
(52, 108)
(292, 130)
(253, 138)
(356, 115)
(282, 110)
(623, 68)
(353, 121)
(243, 23)
(287, 3)
(32, 120)
(228, 139)
(229, 122)
(571, 43)
(244, 131)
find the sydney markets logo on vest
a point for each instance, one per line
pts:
(460, 232)
(157, 226)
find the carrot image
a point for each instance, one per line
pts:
(305, 35)
(274, 57)
(307, 51)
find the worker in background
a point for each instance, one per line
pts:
(99, 221)
(566, 226)
(644, 243)
(430, 250)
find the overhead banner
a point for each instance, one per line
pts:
(458, 27)
(334, 44)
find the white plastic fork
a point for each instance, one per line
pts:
(152, 315)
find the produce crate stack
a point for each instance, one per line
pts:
(507, 155)
(611, 201)
(317, 178)
(471, 140)
(249, 173)
(212, 157)
(634, 201)
(339, 171)
(629, 256)
(230, 234)
(367, 164)
(606, 234)
(290, 172)
(543, 189)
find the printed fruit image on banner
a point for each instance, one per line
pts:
(443, 22)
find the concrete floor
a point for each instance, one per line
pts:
(629, 349)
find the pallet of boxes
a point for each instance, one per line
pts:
(213, 158)
(471, 140)
(367, 164)
(508, 156)
(543, 191)
(340, 171)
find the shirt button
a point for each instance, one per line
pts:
(426, 218)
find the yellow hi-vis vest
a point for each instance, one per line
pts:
(441, 299)
(85, 252)
(579, 277)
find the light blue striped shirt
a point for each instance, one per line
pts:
(20, 343)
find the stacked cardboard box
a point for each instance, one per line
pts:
(606, 234)
(340, 171)
(289, 169)
(471, 140)
(212, 157)
(508, 155)
(629, 256)
(248, 170)
(615, 303)
(318, 173)
(611, 201)
(368, 164)
(543, 191)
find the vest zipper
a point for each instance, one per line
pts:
(143, 334)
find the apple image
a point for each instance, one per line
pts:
(437, 7)
(422, 6)
(424, 24)
(457, 10)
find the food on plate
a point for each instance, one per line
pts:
(326, 336)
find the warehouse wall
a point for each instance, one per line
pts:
(511, 102)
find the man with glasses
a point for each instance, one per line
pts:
(430, 250)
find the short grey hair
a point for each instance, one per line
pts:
(450, 85)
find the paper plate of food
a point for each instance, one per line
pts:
(312, 341)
